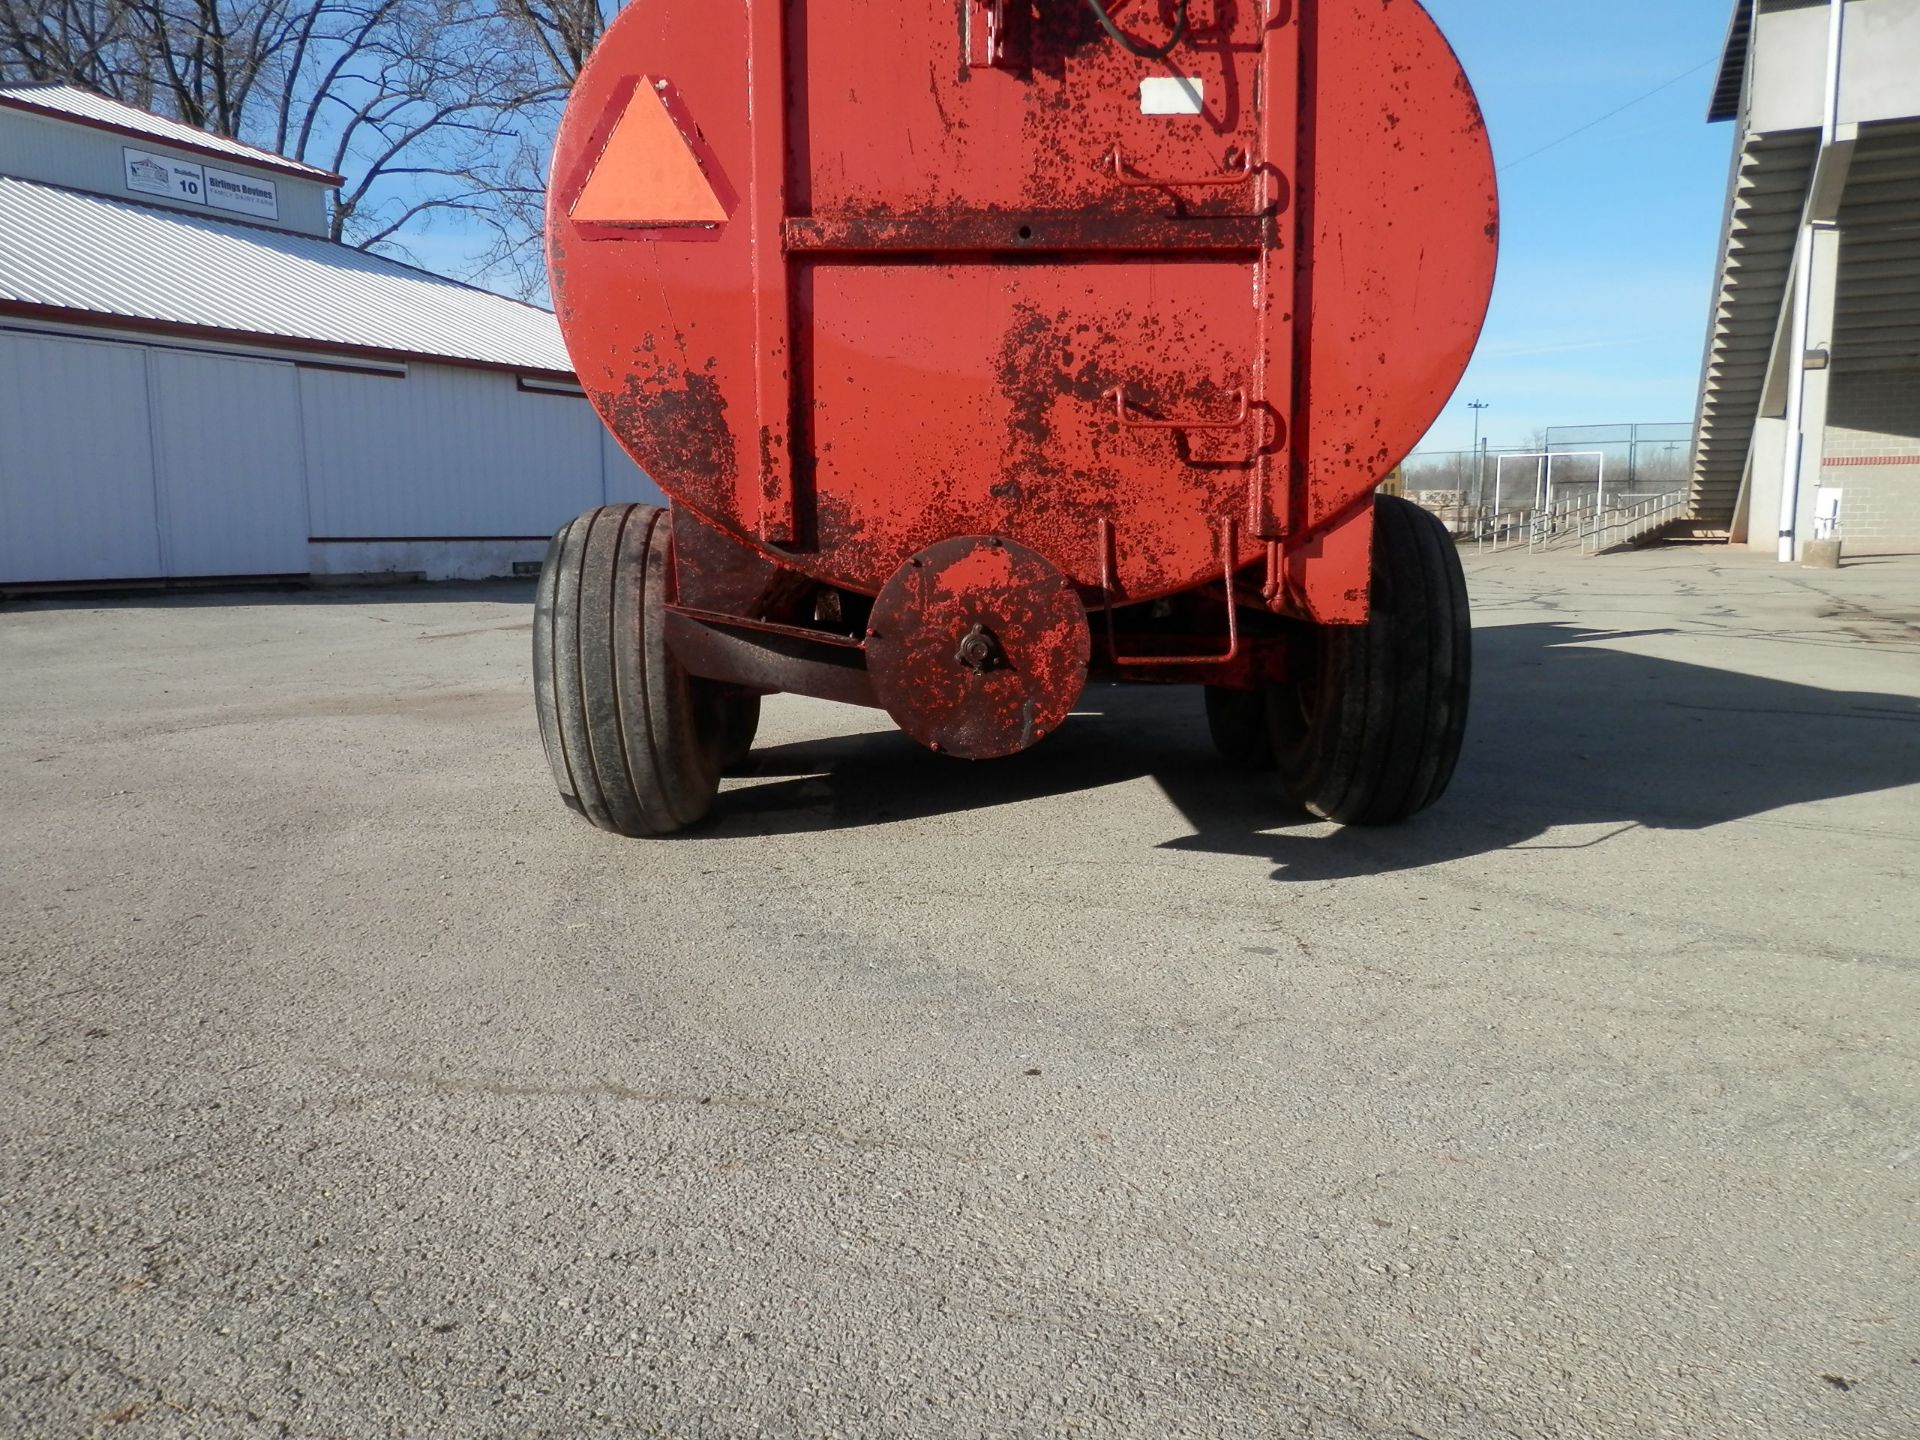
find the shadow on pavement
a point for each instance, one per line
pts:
(1564, 733)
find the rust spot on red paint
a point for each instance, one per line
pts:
(678, 420)
(1043, 362)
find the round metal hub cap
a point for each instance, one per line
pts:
(978, 647)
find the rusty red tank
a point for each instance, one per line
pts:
(984, 346)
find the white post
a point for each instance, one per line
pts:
(1794, 470)
(1796, 448)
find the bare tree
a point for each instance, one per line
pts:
(566, 30)
(437, 112)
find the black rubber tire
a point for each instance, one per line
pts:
(1371, 733)
(739, 723)
(1241, 728)
(633, 740)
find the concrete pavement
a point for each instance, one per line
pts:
(350, 1086)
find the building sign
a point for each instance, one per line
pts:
(158, 175)
(151, 174)
(242, 194)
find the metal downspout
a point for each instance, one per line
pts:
(1796, 458)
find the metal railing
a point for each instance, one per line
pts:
(1581, 523)
(1562, 526)
(1496, 532)
(1621, 525)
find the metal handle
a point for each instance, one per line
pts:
(1124, 172)
(1109, 585)
(1124, 409)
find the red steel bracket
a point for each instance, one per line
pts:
(773, 313)
(767, 657)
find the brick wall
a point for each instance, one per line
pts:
(1873, 457)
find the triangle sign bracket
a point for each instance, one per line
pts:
(648, 173)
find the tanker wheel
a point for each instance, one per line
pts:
(1371, 733)
(1242, 730)
(739, 723)
(635, 742)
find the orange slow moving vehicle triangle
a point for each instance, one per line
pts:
(647, 175)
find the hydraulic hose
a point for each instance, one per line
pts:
(1145, 52)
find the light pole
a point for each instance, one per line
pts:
(1479, 476)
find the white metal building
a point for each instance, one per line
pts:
(1810, 402)
(196, 382)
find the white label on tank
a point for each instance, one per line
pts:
(1172, 95)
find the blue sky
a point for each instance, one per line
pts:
(1608, 241)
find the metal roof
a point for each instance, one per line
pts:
(83, 107)
(62, 250)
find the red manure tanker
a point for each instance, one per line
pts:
(987, 347)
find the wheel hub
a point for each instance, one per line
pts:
(978, 647)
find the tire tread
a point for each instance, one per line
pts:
(1388, 732)
(631, 738)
